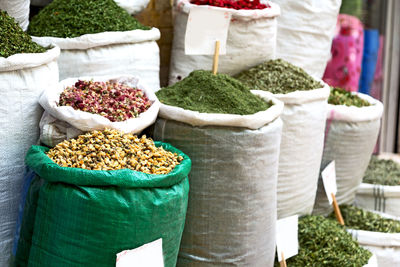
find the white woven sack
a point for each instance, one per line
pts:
(110, 53)
(232, 202)
(63, 122)
(377, 197)
(385, 246)
(131, 6)
(18, 9)
(350, 138)
(305, 33)
(251, 41)
(23, 77)
(303, 116)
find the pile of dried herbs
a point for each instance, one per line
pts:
(207, 93)
(323, 242)
(73, 18)
(382, 171)
(278, 77)
(359, 219)
(340, 96)
(13, 40)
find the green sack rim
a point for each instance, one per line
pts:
(43, 166)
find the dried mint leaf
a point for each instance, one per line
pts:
(73, 18)
(360, 219)
(340, 96)
(324, 242)
(278, 77)
(207, 93)
(382, 171)
(13, 39)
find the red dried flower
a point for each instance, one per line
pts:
(115, 101)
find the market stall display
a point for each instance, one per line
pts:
(26, 69)
(100, 38)
(378, 233)
(77, 105)
(251, 40)
(323, 242)
(352, 128)
(380, 188)
(303, 117)
(232, 201)
(97, 212)
(305, 33)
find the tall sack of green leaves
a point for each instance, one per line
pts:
(251, 40)
(303, 116)
(26, 70)
(98, 37)
(232, 137)
(352, 128)
(380, 189)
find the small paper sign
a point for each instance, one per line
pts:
(329, 180)
(205, 26)
(148, 255)
(286, 237)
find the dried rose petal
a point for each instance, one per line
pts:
(115, 101)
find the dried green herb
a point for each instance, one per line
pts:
(73, 18)
(340, 96)
(278, 77)
(324, 242)
(207, 93)
(359, 219)
(13, 40)
(382, 171)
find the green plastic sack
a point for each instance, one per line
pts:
(77, 217)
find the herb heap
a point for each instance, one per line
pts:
(207, 93)
(323, 242)
(13, 40)
(359, 219)
(240, 4)
(73, 18)
(113, 150)
(340, 96)
(382, 171)
(278, 77)
(115, 101)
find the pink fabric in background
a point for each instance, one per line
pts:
(344, 68)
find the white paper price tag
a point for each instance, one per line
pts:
(148, 255)
(329, 180)
(205, 26)
(286, 237)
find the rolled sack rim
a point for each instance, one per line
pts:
(44, 167)
(356, 114)
(388, 191)
(252, 121)
(49, 100)
(242, 14)
(29, 60)
(92, 40)
(304, 96)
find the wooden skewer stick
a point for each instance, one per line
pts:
(216, 57)
(283, 261)
(338, 214)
